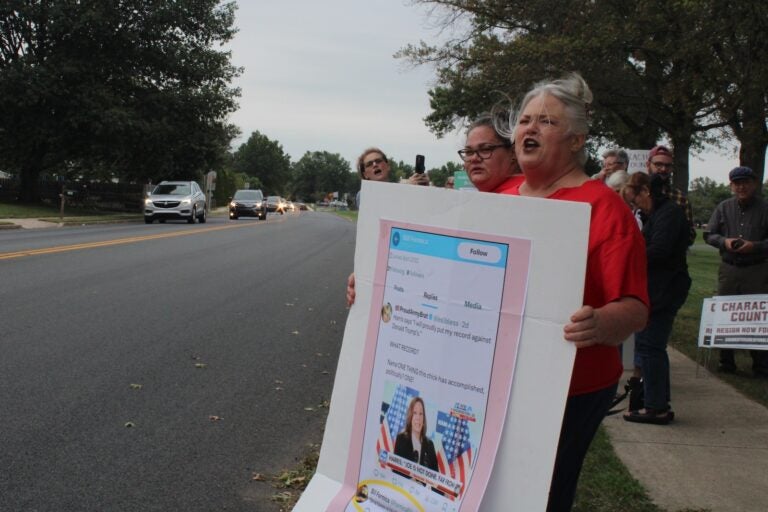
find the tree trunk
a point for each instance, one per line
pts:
(753, 138)
(681, 144)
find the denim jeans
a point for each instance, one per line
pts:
(651, 348)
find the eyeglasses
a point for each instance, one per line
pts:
(484, 153)
(371, 163)
(661, 165)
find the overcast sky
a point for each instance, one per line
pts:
(320, 76)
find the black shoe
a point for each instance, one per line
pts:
(651, 416)
(726, 368)
(636, 391)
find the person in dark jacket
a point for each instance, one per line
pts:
(666, 239)
(412, 443)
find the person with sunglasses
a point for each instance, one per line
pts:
(660, 163)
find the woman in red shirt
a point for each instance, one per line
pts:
(549, 131)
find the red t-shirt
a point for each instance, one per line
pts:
(511, 183)
(616, 268)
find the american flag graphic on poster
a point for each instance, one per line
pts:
(455, 458)
(393, 420)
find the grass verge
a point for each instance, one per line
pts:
(71, 216)
(291, 482)
(15, 210)
(606, 485)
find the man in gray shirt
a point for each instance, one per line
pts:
(739, 229)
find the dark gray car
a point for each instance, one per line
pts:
(248, 203)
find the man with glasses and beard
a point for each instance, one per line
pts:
(660, 162)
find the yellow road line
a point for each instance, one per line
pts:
(118, 241)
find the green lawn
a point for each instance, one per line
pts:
(24, 211)
(15, 210)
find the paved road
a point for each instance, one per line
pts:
(210, 320)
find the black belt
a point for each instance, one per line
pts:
(744, 263)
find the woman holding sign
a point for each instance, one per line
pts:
(550, 131)
(412, 443)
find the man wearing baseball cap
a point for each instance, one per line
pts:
(660, 162)
(739, 229)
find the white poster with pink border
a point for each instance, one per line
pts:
(457, 325)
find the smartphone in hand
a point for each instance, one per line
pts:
(419, 168)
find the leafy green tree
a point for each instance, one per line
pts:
(264, 159)
(650, 72)
(705, 194)
(740, 58)
(130, 89)
(439, 175)
(399, 170)
(229, 181)
(318, 173)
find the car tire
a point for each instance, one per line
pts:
(191, 219)
(263, 216)
(203, 217)
(148, 220)
(233, 217)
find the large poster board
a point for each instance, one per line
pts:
(556, 234)
(734, 321)
(440, 300)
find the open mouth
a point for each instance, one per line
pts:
(530, 143)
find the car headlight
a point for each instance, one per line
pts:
(148, 202)
(186, 201)
(232, 204)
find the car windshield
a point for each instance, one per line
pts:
(172, 189)
(247, 195)
(273, 199)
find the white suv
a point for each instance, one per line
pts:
(175, 200)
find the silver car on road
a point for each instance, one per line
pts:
(175, 200)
